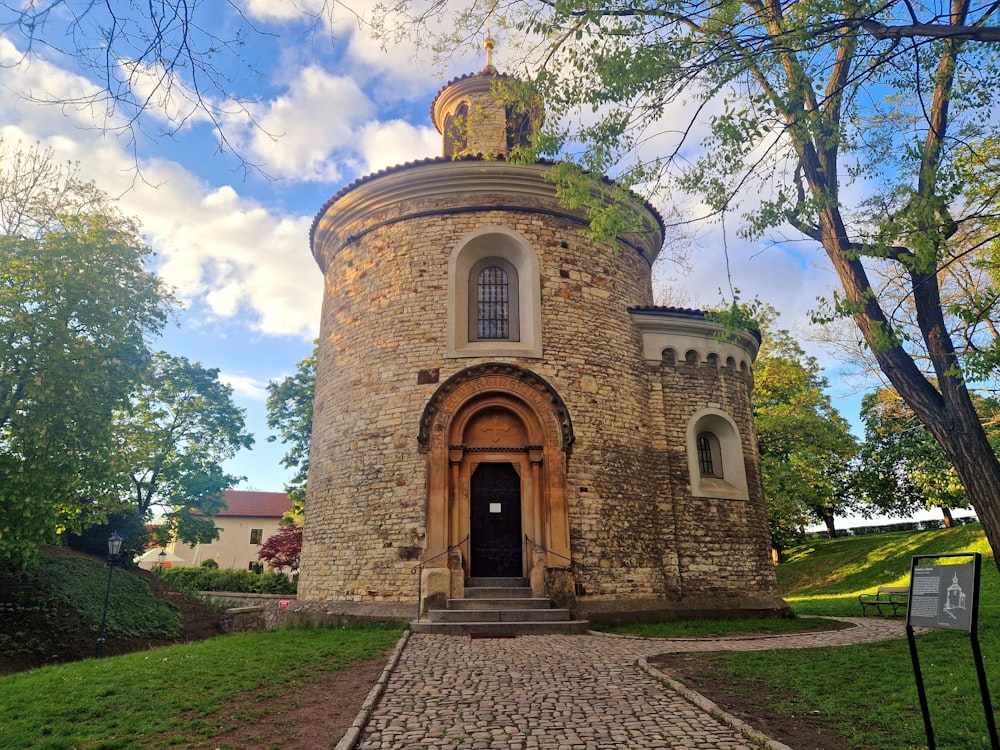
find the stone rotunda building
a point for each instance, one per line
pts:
(498, 397)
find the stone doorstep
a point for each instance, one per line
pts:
(499, 608)
(518, 582)
(499, 615)
(497, 592)
(499, 603)
(502, 629)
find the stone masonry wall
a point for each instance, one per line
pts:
(723, 545)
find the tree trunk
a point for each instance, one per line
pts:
(961, 436)
(948, 520)
(828, 519)
(947, 411)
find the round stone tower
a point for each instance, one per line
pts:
(497, 396)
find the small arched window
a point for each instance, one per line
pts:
(709, 455)
(716, 462)
(493, 301)
(456, 131)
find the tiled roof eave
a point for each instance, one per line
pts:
(399, 168)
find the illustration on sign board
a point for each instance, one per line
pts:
(955, 598)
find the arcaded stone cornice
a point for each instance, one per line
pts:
(689, 330)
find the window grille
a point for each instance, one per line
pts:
(709, 455)
(493, 304)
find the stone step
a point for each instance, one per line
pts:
(499, 603)
(498, 615)
(496, 592)
(498, 582)
(501, 629)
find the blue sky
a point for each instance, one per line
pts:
(332, 106)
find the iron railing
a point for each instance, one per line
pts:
(573, 564)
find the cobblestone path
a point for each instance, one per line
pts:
(555, 692)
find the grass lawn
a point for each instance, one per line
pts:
(132, 701)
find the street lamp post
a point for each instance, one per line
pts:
(114, 547)
(163, 559)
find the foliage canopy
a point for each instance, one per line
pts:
(76, 307)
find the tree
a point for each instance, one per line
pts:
(36, 192)
(290, 411)
(901, 467)
(76, 308)
(284, 549)
(178, 428)
(798, 101)
(806, 446)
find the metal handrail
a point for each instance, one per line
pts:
(572, 563)
(420, 566)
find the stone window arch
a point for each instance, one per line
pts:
(506, 250)
(716, 465)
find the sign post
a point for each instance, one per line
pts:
(947, 596)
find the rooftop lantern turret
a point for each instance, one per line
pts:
(485, 114)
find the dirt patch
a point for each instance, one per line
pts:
(313, 712)
(749, 701)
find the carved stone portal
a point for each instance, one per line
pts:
(514, 422)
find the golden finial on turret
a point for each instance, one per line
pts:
(489, 43)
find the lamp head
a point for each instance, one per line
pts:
(114, 544)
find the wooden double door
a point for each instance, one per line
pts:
(496, 537)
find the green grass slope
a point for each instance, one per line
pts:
(825, 577)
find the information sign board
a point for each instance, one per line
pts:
(942, 596)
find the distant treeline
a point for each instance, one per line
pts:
(934, 523)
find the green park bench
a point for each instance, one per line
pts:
(894, 598)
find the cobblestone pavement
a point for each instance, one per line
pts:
(557, 692)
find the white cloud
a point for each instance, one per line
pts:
(286, 10)
(300, 131)
(219, 249)
(385, 144)
(232, 255)
(31, 83)
(166, 97)
(244, 385)
(399, 55)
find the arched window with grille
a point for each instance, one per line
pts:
(709, 455)
(493, 304)
(493, 301)
(494, 296)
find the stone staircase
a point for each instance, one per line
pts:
(498, 607)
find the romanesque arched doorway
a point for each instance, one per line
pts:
(496, 439)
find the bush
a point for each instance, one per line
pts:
(209, 563)
(193, 580)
